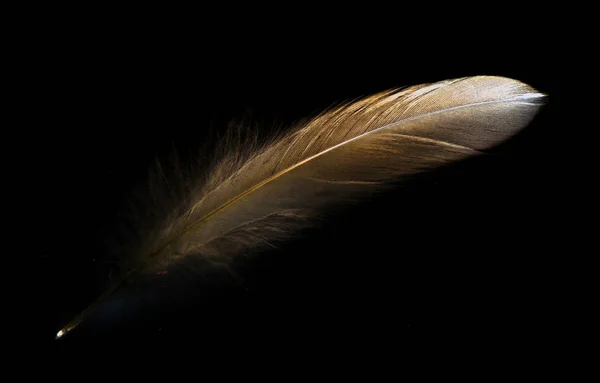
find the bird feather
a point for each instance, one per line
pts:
(264, 193)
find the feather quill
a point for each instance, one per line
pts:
(264, 193)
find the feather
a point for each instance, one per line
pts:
(261, 194)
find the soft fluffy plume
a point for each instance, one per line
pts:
(261, 193)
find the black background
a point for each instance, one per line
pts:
(459, 257)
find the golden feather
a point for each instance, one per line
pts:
(261, 194)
